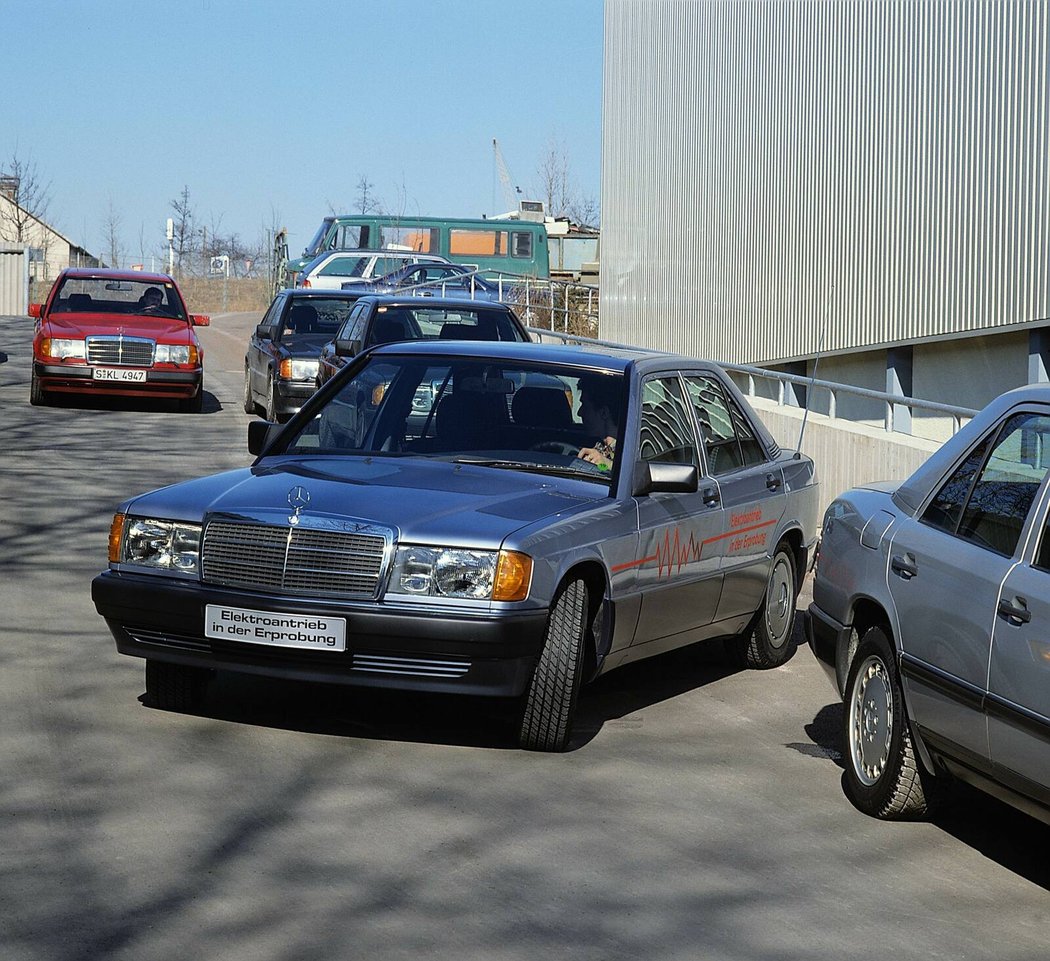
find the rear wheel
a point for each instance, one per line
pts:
(884, 777)
(175, 687)
(768, 643)
(551, 698)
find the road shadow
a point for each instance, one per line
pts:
(1010, 838)
(210, 404)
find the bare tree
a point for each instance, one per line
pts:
(30, 198)
(185, 228)
(111, 236)
(367, 202)
(560, 194)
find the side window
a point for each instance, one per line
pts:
(667, 431)
(351, 324)
(344, 267)
(273, 315)
(718, 427)
(999, 499)
(520, 244)
(750, 446)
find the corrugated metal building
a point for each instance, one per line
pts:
(785, 178)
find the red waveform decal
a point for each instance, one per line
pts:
(674, 554)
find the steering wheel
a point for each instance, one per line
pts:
(556, 447)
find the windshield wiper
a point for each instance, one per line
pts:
(533, 468)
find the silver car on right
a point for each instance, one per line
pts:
(931, 615)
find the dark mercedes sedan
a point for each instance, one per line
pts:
(498, 519)
(280, 365)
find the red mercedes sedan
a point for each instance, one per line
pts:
(121, 332)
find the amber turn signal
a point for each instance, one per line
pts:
(116, 532)
(513, 576)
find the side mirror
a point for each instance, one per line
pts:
(200, 320)
(263, 332)
(658, 478)
(345, 348)
(36, 310)
(261, 434)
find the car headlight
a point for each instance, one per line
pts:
(298, 369)
(174, 354)
(59, 349)
(158, 544)
(451, 572)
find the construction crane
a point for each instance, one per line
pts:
(510, 192)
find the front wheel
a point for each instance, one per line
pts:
(194, 404)
(551, 699)
(249, 401)
(271, 401)
(884, 777)
(175, 687)
(768, 642)
(37, 396)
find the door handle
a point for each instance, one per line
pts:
(711, 496)
(1016, 614)
(904, 567)
(772, 481)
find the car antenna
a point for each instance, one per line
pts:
(813, 376)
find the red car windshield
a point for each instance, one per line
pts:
(112, 296)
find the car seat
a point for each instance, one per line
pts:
(389, 328)
(301, 319)
(471, 420)
(80, 302)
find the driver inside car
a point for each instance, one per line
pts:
(600, 413)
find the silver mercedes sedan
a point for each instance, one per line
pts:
(931, 615)
(499, 519)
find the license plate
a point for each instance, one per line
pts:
(119, 374)
(306, 631)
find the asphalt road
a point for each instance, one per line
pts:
(699, 814)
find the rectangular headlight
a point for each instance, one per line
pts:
(172, 354)
(453, 572)
(59, 348)
(161, 545)
(298, 369)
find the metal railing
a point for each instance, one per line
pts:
(783, 380)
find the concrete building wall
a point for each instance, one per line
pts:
(782, 178)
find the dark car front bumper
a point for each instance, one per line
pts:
(80, 380)
(289, 395)
(161, 619)
(827, 638)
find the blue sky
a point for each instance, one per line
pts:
(273, 111)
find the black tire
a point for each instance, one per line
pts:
(37, 395)
(884, 777)
(550, 701)
(175, 687)
(271, 402)
(194, 404)
(767, 642)
(249, 402)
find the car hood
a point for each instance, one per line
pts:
(89, 324)
(304, 345)
(424, 501)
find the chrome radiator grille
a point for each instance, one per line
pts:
(292, 560)
(120, 350)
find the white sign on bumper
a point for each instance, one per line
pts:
(307, 631)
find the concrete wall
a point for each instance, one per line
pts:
(14, 280)
(845, 454)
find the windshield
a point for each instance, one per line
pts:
(315, 245)
(495, 413)
(110, 296)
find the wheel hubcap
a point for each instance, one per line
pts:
(779, 602)
(871, 721)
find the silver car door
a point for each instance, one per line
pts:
(1018, 703)
(677, 572)
(752, 495)
(946, 568)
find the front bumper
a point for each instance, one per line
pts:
(488, 654)
(828, 639)
(80, 380)
(290, 395)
